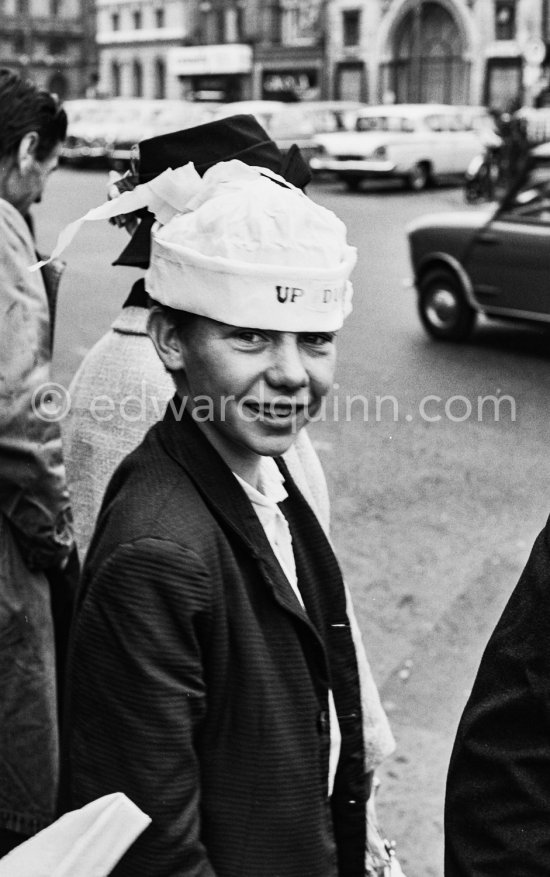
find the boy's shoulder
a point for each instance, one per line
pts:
(151, 495)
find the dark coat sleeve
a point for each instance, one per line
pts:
(497, 813)
(137, 699)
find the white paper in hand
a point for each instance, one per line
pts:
(83, 843)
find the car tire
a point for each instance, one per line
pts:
(443, 308)
(419, 177)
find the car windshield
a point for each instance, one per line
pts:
(384, 123)
(532, 194)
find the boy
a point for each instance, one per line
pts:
(214, 676)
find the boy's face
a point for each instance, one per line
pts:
(252, 390)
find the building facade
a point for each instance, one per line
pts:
(489, 52)
(51, 42)
(454, 51)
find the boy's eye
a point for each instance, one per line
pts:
(250, 336)
(318, 339)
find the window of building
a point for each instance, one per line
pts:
(233, 24)
(159, 17)
(19, 43)
(271, 23)
(505, 20)
(212, 23)
(136, 18)
(58, 46)
(351, 26)
(115, 79)
(137, 71)
(160, 78)
(301, 22)
(115, 20)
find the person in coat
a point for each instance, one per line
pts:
(35, 522)
(121, 387)
(214, 674)
(498, 784)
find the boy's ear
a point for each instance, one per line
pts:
(26, 151)
(167, 340)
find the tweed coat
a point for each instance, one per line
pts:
(497, 812)
(35, 535)
(198, 685)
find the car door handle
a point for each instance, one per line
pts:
(488, 237)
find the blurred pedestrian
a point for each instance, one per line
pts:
(121, 387)
(215, 671)
(35, 522)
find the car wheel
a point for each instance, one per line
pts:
(442, 306)
(419, 177)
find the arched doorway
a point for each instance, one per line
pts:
(428, 64)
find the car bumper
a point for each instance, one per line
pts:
(84, 154)
(362, 167)
(120, 153)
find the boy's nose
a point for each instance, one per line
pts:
(287, 368)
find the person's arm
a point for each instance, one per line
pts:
(138, 700)
(33, 491)
(498, 787)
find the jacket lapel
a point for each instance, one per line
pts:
(188, 446)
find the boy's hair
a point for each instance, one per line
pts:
(24, 108)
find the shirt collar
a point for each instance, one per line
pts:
(271, 485)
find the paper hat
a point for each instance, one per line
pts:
(251, 250)
(239, 245)
(240, 137)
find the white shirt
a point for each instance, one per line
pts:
(265, 503)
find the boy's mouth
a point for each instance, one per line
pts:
(275, 412)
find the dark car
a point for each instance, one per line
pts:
(493, 261)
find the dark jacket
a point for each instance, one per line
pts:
(497, 818)
(198, 685)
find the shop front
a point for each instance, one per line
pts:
(291, 84)
(212, 72)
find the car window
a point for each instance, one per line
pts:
(385, 123)
(435, 123)
(408, 125)
(453, 123)
(531, 204)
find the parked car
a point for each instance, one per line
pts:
(299, 122)
(494, 261)
(86, 142)
(102, 132)
(262, 109)
(141, 119)
(417, 143)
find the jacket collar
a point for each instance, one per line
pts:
(185, 443)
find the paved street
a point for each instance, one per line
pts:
(432, 518)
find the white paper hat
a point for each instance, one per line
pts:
(240, 245)
(251, 250)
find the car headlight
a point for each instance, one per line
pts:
(380, 152)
